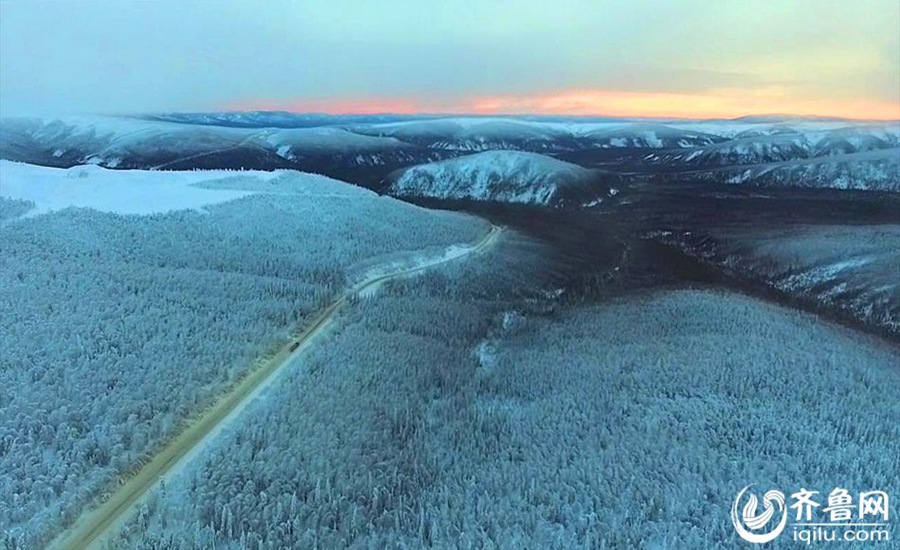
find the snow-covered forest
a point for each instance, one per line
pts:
(115, 327)
(334, 453)
(492, 424)
(13, 208)
(504, 176)
(851, 270)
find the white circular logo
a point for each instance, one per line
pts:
(750, 525)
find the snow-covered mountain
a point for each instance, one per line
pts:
(108, 141)
(366, 149)
(483, 134)
(477, 134)
(642, 136)
(118, 142)
(500, 176)
(767, 144)
(275, 119)
(869, 171)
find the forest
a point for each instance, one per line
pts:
(848, 270)
(118, 327)
(499, 423)
(13, 208)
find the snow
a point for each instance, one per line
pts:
(870, 170)
(118, 131)
(413, 264)
(731, 128)
(694, 154)
(210, 292)
(335, 139)
(823, 274)
(652, 139)
(811, 129)
(460, 124)
(119, 191)
(509, 176)
(109, 140)
(472, 134)
(284, 151)
(461, 127)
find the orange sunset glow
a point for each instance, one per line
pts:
(718, 104)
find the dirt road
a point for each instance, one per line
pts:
(99, 524)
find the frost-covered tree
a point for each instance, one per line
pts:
(13, 208)
(114, 329)
(448, 412)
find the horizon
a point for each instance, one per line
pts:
(526, 116)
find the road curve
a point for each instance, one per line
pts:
(97, 525)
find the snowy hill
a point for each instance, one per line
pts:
(123, 316)
(643, 136)
(766, 144)
(825, 154)
(118, 142)
(502, 176)
(275, 119)
(297, 143)
(483, 134)
(868, 171)
(146, 192)
(120, 191)
(367, 149)
(477, 134)
(108, 141)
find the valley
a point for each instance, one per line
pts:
(449, 275)
(756, 152)
(520, 416)
(674, 234)
(154, 266)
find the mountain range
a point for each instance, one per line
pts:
(407, 154)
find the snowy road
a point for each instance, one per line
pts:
(98, 525)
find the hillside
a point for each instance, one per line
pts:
(134, 143)
(130, 299)
(867, 171)
(766, 151)
(499, 176)
(511, 423)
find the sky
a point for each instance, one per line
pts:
(652, 58)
